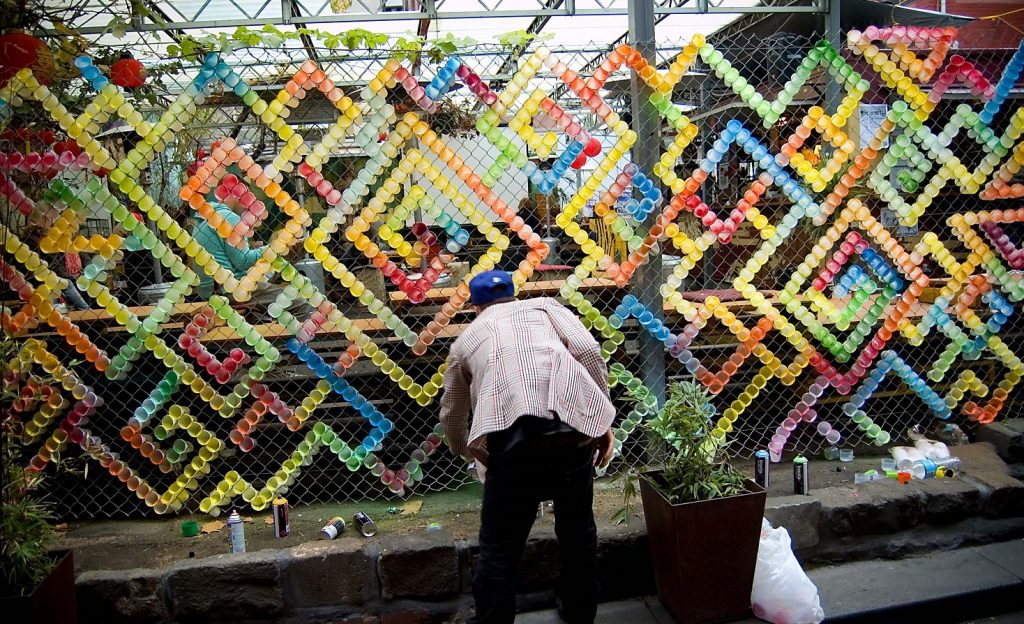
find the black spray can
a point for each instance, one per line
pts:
(800, 480)
(762, 469)
(281, 524)
(365, 525)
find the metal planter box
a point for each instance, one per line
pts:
(704, 553)
(52, 601)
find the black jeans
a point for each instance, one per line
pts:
(516, 482)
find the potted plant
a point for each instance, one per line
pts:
(37, 584)
(703, 516)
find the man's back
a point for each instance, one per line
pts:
(518, 367)
(525, 358)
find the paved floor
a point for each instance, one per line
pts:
(636, 611)
(979, 585)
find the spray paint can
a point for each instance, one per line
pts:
(800, 481)
(762, 469)
(333, 528)
(365, 525)
(280, 510)
(237, 529)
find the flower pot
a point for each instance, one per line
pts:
(704, 553)
(52, 601)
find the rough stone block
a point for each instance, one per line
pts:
(540, 564)
(947, 500)
(424, 565)
(120, 596)
(923, 538)
(1007, 437)
(624, 563)
(406, 616)
(876, 507)
(328, 573)
(226, 587)
(466, 551)
(799, 514)
(1002, 495)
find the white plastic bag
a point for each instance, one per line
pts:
(782, 593)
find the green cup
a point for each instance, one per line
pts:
(189, 528)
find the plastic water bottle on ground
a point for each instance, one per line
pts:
(930, 469)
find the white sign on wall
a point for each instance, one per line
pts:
(871, 117)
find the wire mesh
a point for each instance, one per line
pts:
(799, 280)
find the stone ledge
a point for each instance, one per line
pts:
(1002, 495)
(425, 577)
(800, 515)
(226, 587)
(1007, 436)
(120, 596)
(887, 507)
(327, 573)
(921, 539)
(423, 565)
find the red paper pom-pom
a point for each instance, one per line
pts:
(128, 73)
(19, 50)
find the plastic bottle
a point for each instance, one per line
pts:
(932, 450)
(237, 528)
(929, 468)
(905, 457)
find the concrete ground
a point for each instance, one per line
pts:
(980, 584)
(157, 542)
(885, 553)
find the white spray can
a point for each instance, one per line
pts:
(237, 528)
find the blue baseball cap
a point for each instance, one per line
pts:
(491, 286)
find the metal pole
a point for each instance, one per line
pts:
(834, 34)
(647, 125)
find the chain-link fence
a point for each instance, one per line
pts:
(812, 245)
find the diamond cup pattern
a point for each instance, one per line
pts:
(882, 280)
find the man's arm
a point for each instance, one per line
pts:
(580, 343)
(455, 405)
(242, 258)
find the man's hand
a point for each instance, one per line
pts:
(605, 446)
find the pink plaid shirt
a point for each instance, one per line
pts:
(523, 358)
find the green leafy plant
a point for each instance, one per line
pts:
(26, 534)
(454, 118)
(695, 467)
(409, 46)
(521, 38)
(25, 531)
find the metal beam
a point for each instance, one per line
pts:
(833, 31)
(174, 33)
(645, 153)
(291, 7)
(537, 25)
(752, 19)
(568, 10)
